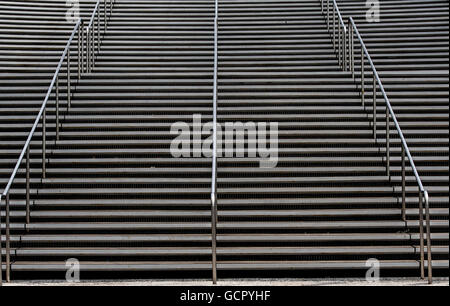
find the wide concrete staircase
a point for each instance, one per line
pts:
(117, 200)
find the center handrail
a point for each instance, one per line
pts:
(346, 59)
(214, 218)
(85, 58)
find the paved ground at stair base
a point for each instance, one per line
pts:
(243, 282)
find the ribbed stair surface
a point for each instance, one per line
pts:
(33, 35)
(277, 63)
(117, 200)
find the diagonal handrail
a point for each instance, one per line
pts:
(423, 196)
(86, 60)
(346, 57)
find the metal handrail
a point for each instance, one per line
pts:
(214, 218)
(85, 60)
(423, 194)
(348, 62)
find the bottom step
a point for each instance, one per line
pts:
(232, 265)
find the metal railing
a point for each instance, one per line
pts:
(346, 57)
(337, 28)
(88, 46)
(214, 218)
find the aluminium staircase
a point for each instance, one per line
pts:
(116, 199)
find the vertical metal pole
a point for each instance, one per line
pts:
(8, 243)
(95, 30)
(88, 57)
(90, 49)
(214, 218)
(1, 249)
(363, 93)
(28, 187)
(94, 43)
(85, 49)
(349, 46)
(79, 55)
(57, 106)
(328, 14)
(347, 49)
(353, 50)
(92, 46)
(339, 45)
(334, 27)
(44, 140)
(94, 35)
(69, 95)
(388, 143)
(374, 107)
(82, 46)
(98, 29)
(214, 238)
(344, 47)
(403, 183)
(422, 251)
(429, 250)
(88, 36)
(104, 16)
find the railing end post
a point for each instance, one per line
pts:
(214, 236)
(428, 228)
(1, 259)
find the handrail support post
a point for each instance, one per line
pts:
(8, 241)
(69, 85)
(1, 249)
(403, 157)
(28, 187)
(57, 106)
(421, 233)
(44, 142)
(363, 82)
(388, 144)
(374, 107)
(429, 248)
